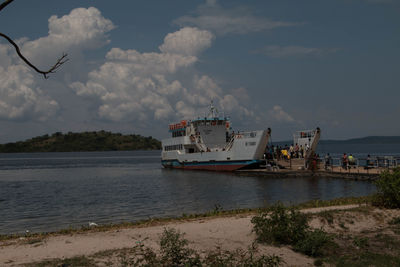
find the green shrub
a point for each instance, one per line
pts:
(144, 256)
(280, 225)
(313, 243)
(288, 226)
(240, 257)
(388, 186)
(174, 251)
(395, 220)
(361, 242)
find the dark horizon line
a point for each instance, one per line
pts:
(371, 138)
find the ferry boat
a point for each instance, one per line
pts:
(208, 143)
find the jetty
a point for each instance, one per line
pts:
(297, 167)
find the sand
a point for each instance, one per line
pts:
(206, 234)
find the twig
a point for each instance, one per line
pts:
(53, 69)
(5, 3)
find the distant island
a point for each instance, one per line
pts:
(366, 140)
(86, 141)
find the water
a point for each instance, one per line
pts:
(52, 191)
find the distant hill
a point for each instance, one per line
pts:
(366, 140)
(86, 141)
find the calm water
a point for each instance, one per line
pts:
(51, 191)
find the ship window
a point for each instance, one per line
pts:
(173, 147)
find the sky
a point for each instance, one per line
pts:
(136, 66)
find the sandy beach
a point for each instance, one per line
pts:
(204, 234)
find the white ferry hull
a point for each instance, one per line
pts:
(246, 151)
(230, 165)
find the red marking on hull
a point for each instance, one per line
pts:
(212, 167)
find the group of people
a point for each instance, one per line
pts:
(348, 161)
(296, 151)
(286, 152)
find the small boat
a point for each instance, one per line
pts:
(208, 143)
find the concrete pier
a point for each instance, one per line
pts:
(281, 173)
(295, 168)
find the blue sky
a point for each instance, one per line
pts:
(136, 66)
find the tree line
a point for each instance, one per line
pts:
(86, 141)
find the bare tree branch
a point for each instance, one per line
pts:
(5, 3)
(53, 69)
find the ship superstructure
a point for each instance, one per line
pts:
(208, 143)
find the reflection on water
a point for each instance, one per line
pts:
(51, 191)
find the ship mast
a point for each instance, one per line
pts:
(213, 111)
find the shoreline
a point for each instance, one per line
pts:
(229, 230)
(185, 218)
(204, 234)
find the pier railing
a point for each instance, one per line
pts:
(361, 165)
(371, 165)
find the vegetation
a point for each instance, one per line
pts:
(365, 249)
(373, 246)
(388, 186)
(174, 251)
(288, 226)
(336, 202)
(86, 141)
(280, 225)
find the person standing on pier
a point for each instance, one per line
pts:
(296, 151)
(328, 161)
(352, 160)
(344, 161)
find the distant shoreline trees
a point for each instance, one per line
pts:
(86, 141)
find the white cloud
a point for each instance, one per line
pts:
(20, 99)
(213, 17)
(81, 29)
(288, 51)
(21, 95)
(242, 95)
(187, 41)
(280, 115)
(134, 86)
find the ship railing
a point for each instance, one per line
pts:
(199, 144)
(372, 165)
(230, 143)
